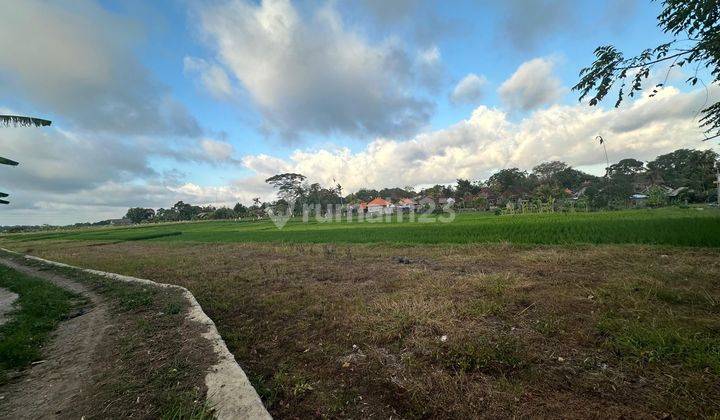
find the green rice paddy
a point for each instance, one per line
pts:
(671, 226)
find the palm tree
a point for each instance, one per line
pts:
(4, 161)
(18, 121)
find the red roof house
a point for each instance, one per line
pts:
(378, 202)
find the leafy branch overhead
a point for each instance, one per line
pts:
(695, 26)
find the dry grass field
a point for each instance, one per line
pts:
(360, 330)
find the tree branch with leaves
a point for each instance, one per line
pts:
(695, 27)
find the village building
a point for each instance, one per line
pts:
(407, 204)
(379, 206)
(425, 202)
(446, 201)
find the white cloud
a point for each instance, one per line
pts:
(64, 162)
(469, 90)
(532, 86)
(76, 60)
(429, 68)
(212, 77)
(487, 141)
(217, 150)
(313, 75)
(70, 176)
(265, 165)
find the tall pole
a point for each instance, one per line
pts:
(18, 121)
(607, 161)
(717, 181)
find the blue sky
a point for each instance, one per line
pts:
(153, 102)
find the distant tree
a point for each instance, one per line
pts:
(466, 188)
(510, 182)
(626, 167)
(695, 29)
(656, 197)
(609, 194)
(395, 193)
(559, 176)
(694, 169)
(166, 215)
(240, 210)
(363, 194)
(629, 171)
(139, 214)
(223, 213)
(313, 193)
(289, 185)
(547, 192)
(573, 179)
(546, 172)
(184, 211)
(338, 191)
(438, 191)
(479, 202)
(323, 197)
(257, 207)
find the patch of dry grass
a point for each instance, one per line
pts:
(460, 331)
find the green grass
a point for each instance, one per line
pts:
(671, 226)
(42, 306)
(653, 341)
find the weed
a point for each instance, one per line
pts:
(497, 356)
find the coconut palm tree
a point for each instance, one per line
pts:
(18, 121)
(4, 161)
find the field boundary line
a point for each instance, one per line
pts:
(230, 393)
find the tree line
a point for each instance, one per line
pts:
(693, 171)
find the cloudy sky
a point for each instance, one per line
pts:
(155, 102)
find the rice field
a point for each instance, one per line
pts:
(538, 315)
(672, 226)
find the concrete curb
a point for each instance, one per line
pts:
(229, 390)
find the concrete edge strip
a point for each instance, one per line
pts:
(229, 390)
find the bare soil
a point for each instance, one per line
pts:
(471, 331)
(7, 299)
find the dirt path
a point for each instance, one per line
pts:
(7, 298)
(47, 389)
